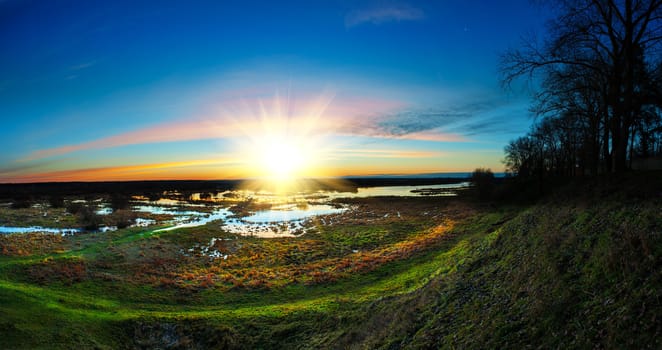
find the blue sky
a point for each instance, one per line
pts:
(124, 90)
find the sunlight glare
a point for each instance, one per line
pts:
(282, 160)
(284, 142)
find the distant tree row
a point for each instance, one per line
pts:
(600, 102)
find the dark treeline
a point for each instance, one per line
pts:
(119, 191)
(117, 188)
(599, 107)
(403, 181)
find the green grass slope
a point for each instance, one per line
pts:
(581, 269)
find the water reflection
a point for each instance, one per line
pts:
(200, 220)
(38, 229)
(291, 212)
(61, 231)
(405, 191)
(265, 214)
(280, 221)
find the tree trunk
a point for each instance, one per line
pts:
(605, 145)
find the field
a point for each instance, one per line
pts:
(377, 249)
(389, 272)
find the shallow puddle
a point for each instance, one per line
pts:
(38, 229)
(291, 212)
(280, 221)
(198, 219)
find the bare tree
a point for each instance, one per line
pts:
(599, 53)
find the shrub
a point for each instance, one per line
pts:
(122, 218)
(483, 180)
(74, 208)
(88, 218)
(21, 202)
(56, 201)
(119, 201)
(67, 271)
(205, 196)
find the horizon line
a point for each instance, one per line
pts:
(432, 175)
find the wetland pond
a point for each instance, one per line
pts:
(247, 213)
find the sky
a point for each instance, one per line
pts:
(148, 90)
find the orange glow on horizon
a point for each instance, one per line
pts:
(329, 164)
(197, 171)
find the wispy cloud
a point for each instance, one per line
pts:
(373, 129)
(73, 71)
(388, 153)
(383, 14)
(453, 123)
(128, 172)
(414, 121)
(435, 136)
(20, 168)
(82, 65)
(489, 126)
(167, 132)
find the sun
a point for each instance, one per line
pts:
(282, 160)
(283, 144)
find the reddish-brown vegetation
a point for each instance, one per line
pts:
(67, 271)
(30, 244)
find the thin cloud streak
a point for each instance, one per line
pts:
(82, 66)
(387, 153)
(168, 132)
(435, 136)
(379, 15)
(128, 172)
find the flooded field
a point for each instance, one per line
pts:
(247, 213)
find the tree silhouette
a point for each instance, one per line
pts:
(483, 180)
(600, 69)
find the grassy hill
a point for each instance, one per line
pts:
(580, 268)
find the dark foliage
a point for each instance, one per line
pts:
(89, 218)
(205, 196)
(600, 104)
(21, 203)
(122, 218)
(153, 196)
(74, 207)
(483, 181)
(56, 201)
(119, 201)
